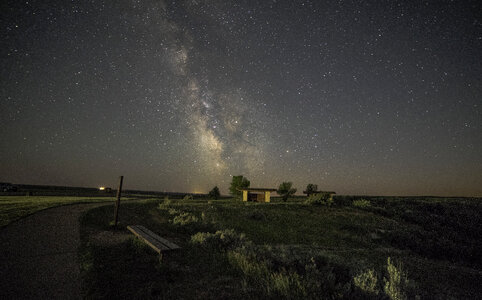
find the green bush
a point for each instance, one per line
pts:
(222, 239)
(397, 284)
(320, 199)
(187, 198)
(361, 203)
(165, 204)
(367, 281)
(282, 283)
(282, 272)
(185, 218)
(173, 211)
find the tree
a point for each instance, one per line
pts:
(214, 193)
(285, 190)
(237, 183)
(310, 188)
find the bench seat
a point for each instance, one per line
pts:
(155, 241)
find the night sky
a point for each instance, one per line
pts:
(359, 97)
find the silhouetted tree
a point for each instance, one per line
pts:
(238, 182)
(285, 190)
(214, 193)
(310, 188)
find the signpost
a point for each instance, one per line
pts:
(117, 203)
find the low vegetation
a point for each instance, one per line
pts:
(15, 207)
(319, 199)
(396, 248)
(361, 203)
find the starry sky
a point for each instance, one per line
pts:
(359, 97)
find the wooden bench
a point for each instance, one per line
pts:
(156, 242)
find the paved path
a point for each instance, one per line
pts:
(38, 255)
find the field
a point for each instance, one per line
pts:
(15, 207)
(375, 247)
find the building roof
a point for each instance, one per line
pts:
(257, 189)
(318, 192)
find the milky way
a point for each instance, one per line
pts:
(223, 127)
(361, 98)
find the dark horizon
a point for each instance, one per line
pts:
(372, 98)
(298, 192)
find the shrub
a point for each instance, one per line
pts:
(281, 272)
(173, 211)
(286, 273)
(166, 203)
(258, 272)
(222, 239)
(187, 198)
(184, 219)
(248, 266)
(361, 203)
(397, 283)
(367, 281)
(319, 199)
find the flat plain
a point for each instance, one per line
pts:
(15, 207)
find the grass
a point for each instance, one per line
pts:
(237, 250)
(15, 207)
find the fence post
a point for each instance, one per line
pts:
(117, 203)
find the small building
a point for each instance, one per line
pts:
(328, 195)
(257, 194)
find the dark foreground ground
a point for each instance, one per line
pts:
(38, 255)
(354, 248)
(373, 248)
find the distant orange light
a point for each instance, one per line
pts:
(102, 188)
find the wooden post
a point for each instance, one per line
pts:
(117, 203)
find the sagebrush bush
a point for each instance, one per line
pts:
(279, 272)
(222, 239)
(173, 211)
(185, 218)
(320, 199)
(367, 281)
(361, 203)
(397, 284)
(187, 198)
(287, 284)
(165, 204)
(256, 269)
(283, 272)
